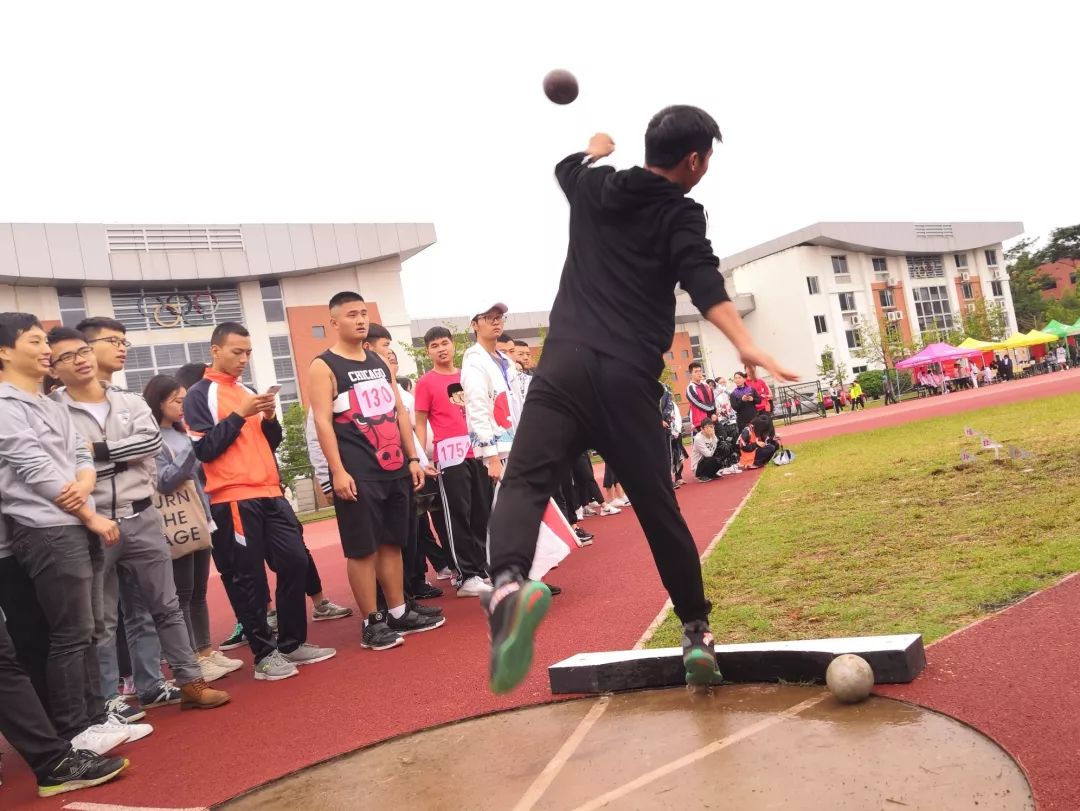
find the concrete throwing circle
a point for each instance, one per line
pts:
(741, 747)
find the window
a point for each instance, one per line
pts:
(926, 267)
(174, 307)
(674, 375)
(854, 340)
(932, 308)
(997, 289)
(72, 305)
(991, 258)
(960, 259)
(934, 229)
(174, 238)
(812, 285)
(669, 355)
(847, 302)
(686, 354)
(143, 362)
(284, 371)
(273, 307)
(678, 397)
(893, 334)
(885, 298)
(819, 324)
(318, 331)
(965, 289)
(839, 265)
(858, 370)
(879, 264)
(695, 346)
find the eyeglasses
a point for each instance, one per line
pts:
(112, 339)
(69, 357)
(493, 319)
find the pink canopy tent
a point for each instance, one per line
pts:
(937, 353)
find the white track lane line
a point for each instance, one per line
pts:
(535, 791)
(110, 807)
(693, 757)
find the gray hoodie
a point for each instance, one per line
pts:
(123, 452)
(40, 452)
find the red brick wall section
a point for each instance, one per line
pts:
(1061, 272)
(679, 357)
(898, 300)
(306, 345)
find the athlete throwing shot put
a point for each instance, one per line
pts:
(634, 236)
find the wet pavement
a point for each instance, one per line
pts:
(741, 747)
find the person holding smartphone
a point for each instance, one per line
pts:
(235, 432)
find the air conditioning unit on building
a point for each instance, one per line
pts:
(965, 276)
(853, 319)
(971, 307)
(894, 315)
(892, 281)
(995, 275)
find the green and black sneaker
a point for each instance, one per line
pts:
(699, 656)
(515, 607)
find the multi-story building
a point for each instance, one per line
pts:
(811, 289)
(170, 284)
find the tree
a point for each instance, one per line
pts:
(293, 451)
(831, 370)
(1025, 283)
(462, 341)
(987, 321)
(881, 345)
(1064, 243)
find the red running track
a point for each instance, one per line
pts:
(1012, 676)
(611, 593)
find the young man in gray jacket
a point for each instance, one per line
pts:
(125, 438)
(47, 477)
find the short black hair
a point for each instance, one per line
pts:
(675, 132)
(57, 334)
(12, 325)
(435, 333)
(694, 365)
(738, 373)
(92, 326)
(223, 330)
(504, 339)
(405, 382)
(344, 297)
(519, 342)
(189, 374)
(763, 426)
(376, 332)
(160, 388)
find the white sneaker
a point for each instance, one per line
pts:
(593, 509)
(443, 574)
(608, 509)
(473, 587)
(579, 513)
(101, 738)
(136, 732)
(221, 660)
(211, 670)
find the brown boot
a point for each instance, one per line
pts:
(198, 695)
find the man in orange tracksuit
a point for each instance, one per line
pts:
(235, 432)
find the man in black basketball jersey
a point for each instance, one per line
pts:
(366, 436)
(634, 237)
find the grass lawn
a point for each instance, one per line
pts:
(887, 532)
(316, 515)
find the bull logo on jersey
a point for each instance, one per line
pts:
(382, 432)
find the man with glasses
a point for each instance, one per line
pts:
(125, 438)
(107, 338)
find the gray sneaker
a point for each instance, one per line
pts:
(327, 610)
(275, 667)
(309, 654)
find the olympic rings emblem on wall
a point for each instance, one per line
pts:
(173, 310)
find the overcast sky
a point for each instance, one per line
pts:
(325, 112)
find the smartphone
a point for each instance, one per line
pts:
(273, 389)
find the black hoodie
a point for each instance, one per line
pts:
(634, 236)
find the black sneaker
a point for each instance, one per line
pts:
(413, 623)
(236, 640)
(555, 590)
(584, 536)
(424, 610)
(80, 769)
(426, 591)
(699, 655)
(377, 634)
(515, 608)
